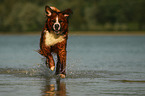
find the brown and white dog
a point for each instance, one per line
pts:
(54, 39)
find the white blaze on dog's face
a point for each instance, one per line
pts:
(57, 21)
(57, 25)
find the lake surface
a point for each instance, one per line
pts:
(96, 66)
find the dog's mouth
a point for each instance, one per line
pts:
(57, 32)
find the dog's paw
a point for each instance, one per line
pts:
(61, 76)
(52, 68)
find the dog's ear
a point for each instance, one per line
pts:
(48, 11)
(67, 12)
(55, 9)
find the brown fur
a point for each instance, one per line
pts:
(60, 47)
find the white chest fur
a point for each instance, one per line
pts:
(52, 39)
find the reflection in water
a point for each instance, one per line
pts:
(54, 87)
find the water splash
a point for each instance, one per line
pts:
(42, 71)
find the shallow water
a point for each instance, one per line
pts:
(96, 66)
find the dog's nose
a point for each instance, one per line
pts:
(56, 26)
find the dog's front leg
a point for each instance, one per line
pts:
(50, 62)
(61, 63)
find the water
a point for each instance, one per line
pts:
(96, 66)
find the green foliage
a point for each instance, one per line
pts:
(104, 15)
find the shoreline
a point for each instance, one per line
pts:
(85, 33)
(108, 33)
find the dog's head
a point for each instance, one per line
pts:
(57, 21)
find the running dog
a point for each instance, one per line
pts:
(54, 39)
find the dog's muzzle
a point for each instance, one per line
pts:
(56, 28)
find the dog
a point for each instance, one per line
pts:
(54, 39)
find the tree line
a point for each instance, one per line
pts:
(92, 15)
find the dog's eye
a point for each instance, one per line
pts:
(53, 20)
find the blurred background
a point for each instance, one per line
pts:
(88, 15)
(110, 64)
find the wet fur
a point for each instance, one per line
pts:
(50, 42)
